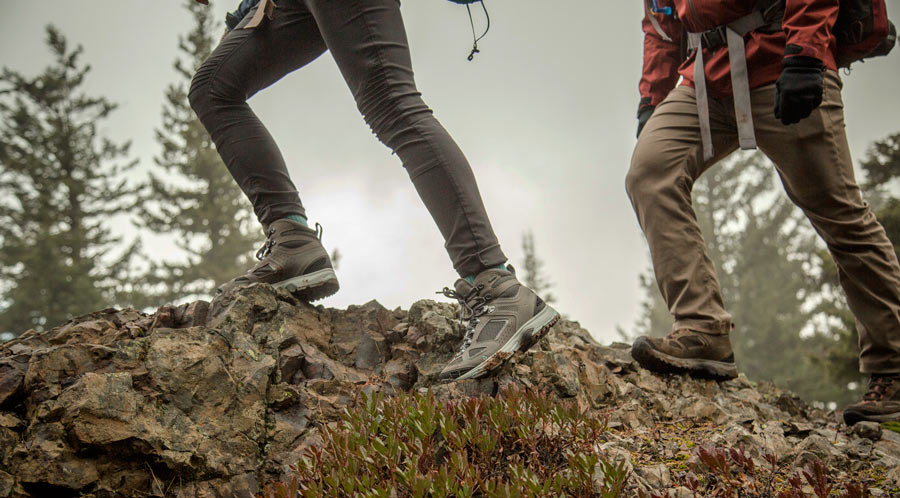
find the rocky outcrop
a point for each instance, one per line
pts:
(200, 402)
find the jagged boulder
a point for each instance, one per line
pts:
(196, 401)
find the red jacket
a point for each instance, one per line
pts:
(807, 24)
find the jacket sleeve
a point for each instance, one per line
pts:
(808, 26)
(661, 57)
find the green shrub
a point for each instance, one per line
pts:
(517, 444)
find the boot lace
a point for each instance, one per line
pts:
(266, 249)
(878, 387)
(471, 306)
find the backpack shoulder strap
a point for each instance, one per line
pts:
(648, 7)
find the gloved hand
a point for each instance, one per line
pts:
(799, 89)
(643, 116)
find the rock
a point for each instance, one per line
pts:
(12, 377)
(868, 430)
(7, 482)
(656, 476)
(893, 476)
(614, 455)
(217, 399)
(816, 447)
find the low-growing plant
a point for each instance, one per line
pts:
(891, 426)
(521, 443)
(733, 473)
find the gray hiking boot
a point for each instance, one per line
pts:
(503, 317)
(294, 258)
(689, 352)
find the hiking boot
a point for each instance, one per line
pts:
(503, 317)
(687, 352)
(881, 403)
(293, 257)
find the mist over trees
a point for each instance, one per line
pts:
(61, 184)
(63, 191)
(190, 194)
(533, 275)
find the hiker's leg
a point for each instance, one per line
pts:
(814, 162)
(246, 61)
(368, 41)
(667, 160)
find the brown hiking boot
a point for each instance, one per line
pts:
(687, 352)
(881, 403)
(294, 258)
(503, 317)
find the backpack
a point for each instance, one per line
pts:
(862, 31)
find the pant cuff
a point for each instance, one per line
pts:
(713, 327)
(886, 365)
(486, 258)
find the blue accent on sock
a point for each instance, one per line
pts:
(471, 278)
(298, 218)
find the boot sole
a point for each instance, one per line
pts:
(651, 359)
(527, 336)
(312, 286)
(852, 417)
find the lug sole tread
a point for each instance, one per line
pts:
(659, 362)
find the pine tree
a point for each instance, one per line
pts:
(61, 182)
(192, 196)
(534, 276)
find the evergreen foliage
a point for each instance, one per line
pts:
(192, 196)
(534, 276)
(61, 187)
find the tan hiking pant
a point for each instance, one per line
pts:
(813, 160)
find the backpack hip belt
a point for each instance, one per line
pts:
(732, 35)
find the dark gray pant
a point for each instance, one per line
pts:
(368, 41)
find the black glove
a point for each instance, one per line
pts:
(799, 89)
(644, 115)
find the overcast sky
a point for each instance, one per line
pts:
(545, 114)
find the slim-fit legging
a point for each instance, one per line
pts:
(368, 41)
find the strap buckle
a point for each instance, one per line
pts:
(714, 38)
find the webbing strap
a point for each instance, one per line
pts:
(653, 22)
(748, 23)
(702, 96)
(740, 83)
(263, 10)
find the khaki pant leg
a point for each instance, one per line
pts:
(667, 160)
(814, 162)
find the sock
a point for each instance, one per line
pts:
(298, 218)
(471, 278)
